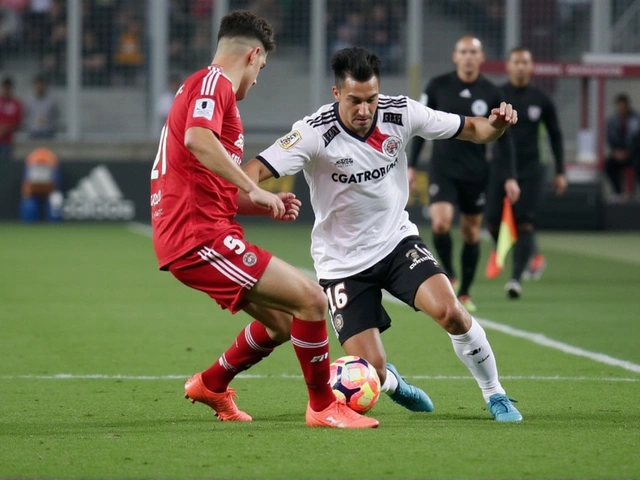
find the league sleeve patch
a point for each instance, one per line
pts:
(204, 108)
(290, 139)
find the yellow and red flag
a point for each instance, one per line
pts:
(508, 234)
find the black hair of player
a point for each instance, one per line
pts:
(622, 98)
(243, 23)
(355, 62)
(518, 50)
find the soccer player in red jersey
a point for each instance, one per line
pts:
(197, 189)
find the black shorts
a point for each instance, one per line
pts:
(355, 303)
(525, 209)
(469, 196)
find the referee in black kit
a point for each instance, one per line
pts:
(459, 171)
(534, 107)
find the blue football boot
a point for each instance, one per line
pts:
(410, 397)
(502, 409)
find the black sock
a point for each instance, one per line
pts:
(522, 252)
(494, 231)
(535, 250)
(470, 258)
(443, 244)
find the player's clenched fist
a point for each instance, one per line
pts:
(503, 116)
(291, 206)
(267, 200)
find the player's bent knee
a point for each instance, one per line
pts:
(314, 304)
(454, 318)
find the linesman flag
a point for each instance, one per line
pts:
(507, 235)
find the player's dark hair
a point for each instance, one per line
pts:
(243, 23)
(518, 50)
(7, 82)
(622, 98)
(355, 62)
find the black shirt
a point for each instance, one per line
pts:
(533, 106)
(461, 160)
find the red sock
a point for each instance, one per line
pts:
(251, 345)
(312, 348)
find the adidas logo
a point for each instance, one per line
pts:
(97, 197)
(465, 93)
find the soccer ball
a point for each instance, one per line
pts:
(355, 383)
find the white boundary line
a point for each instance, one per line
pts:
(537, 338)
(70, 376)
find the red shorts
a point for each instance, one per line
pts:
(225, 269)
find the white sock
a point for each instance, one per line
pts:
(390, 384)
(475, 352)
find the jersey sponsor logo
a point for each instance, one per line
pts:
(290, 139)
(98, 197)
(330, 135)
(240, 142)
(479, 108)
(391, 146)
(344, 162)
(249, 259)
(534, 112)
(390, 117)
(365, 176)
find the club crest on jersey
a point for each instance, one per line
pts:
(390, 117)
(249, 259)
(290, 139)
(204, 108)
(479, 108)
(534, 112)
(391, 146)
(338, 322)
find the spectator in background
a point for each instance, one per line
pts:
(41, 110)
(383, 36)
(129, 52)
(41, 187)
(56, 44)
(166, 99)
(37, 21)
(94, 60)
(635, 159)
(10, 118)
(269, 10)
(10, 29)
(350, 33)
(622, 126)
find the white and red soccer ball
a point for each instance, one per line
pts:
(355, 383)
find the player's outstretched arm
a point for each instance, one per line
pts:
(206, 147)
(485, 130)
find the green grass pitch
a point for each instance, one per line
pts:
(89, 301)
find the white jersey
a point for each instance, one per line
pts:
(358, 185)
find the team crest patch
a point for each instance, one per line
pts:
(534, 112)
(391, 146)
(290, 139)
(249, 259)
(479, 108)
(204, 108)
(338, 322)
(434, 189)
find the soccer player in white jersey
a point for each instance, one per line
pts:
(352, 154)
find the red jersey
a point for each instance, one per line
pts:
(10, 116)
(191, 205)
